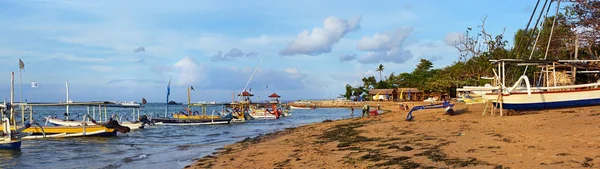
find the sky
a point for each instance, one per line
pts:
(309, 49)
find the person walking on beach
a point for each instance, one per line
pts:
(365, 110)
(378, 107)
(352, 108)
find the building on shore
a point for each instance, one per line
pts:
(402, 94)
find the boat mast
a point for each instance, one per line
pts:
(12, 95)
(21, 92)
(67, 101)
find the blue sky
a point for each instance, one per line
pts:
(311, 48)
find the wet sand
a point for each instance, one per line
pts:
(561, 138)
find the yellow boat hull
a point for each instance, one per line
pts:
(196, 117)
(71, 130)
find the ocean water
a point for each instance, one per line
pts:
(154, 147)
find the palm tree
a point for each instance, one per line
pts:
(380, 69)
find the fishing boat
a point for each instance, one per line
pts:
(190, 116)
(303, 107)
(262, 111)
(10, 140)
(86, 127)
(446, 105)
(124, 104)
(193, 117)
(550, 91)
(554, 86)
(139, 123)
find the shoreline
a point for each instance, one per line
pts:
(557, 138)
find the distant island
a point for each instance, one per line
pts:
(173, 103)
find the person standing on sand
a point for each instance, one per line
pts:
(365, 110)
(378, 107)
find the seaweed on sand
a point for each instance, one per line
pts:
(345, 134)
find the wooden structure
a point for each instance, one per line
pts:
(397, 94)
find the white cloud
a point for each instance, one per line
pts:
(321, 40)
(385, 47)
(189, 71)
(453, 37)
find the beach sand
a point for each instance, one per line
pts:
(560, 138)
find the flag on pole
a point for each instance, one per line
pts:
(168, 90)
(21, 64)
(192, 87)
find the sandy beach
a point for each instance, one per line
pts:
(560, 138)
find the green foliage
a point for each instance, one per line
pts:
(380, 70)
(348, 91)
(477, 49)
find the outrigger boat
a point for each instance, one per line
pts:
(191, 117)
(261, 111)
(302, 107)
(133, 125)
(447, 106)
(140, 123)
(110, 128)
(10, 139)
(87, 127)
(550, 93)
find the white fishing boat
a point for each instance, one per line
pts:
(551, 93)
(302, 107)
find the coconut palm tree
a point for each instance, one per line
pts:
(380, 69)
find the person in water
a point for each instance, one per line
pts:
(352, 113)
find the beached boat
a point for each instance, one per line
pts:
(552, 94)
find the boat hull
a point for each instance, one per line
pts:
(550, 100)
(10, 145)
(180, 121)
(60, 122)
(66, 131)
(300, 108)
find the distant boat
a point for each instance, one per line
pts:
(303, 107)
(124, 104)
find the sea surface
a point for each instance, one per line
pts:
(154, 147)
